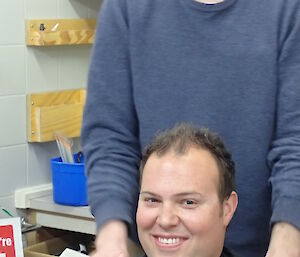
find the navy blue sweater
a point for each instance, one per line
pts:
(233, 67)
(225, 253)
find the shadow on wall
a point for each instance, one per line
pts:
(92, 5)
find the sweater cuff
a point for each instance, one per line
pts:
(286, 210)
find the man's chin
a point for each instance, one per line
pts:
(167, 254)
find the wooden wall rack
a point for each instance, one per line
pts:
(50, 32)
(59, 111)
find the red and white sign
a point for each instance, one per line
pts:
(10, 238)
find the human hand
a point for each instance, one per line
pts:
(285, 241)
(111, 240)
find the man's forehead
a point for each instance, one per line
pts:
(177, 151)
(192, 169)
(190, 154)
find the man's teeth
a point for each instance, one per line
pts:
(168, 240)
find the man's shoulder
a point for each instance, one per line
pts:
(228, 253)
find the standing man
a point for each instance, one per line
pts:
(187, 196)
(232, 66)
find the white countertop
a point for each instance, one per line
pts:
(46, 203)
(39, 201)
(50, 214)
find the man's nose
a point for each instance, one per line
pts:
(168, 217)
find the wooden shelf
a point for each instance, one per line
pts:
(51, 32)
(59, 111)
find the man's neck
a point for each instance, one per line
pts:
(209, 1)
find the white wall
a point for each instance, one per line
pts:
(26, 70)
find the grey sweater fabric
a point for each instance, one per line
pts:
(233, 67)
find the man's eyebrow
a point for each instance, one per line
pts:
(189, 193)
(149, 193)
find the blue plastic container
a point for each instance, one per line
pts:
(69, 181)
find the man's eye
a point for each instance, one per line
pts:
(150, 200)
(189, 203)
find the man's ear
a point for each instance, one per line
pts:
(229, 207)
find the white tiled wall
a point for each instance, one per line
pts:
(72, 73)
(38, 159)
(26, 70)
(12, 166)
(13, 120)
(36, 9)
(12, 79)
(42, 68)
(72, 9)
(12, 22)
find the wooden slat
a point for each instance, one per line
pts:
(59, 111)
(56, 97)
(60, 32)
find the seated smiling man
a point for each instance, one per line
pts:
(187, 196)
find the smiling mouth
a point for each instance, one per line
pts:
(169, 242)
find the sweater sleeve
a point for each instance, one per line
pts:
(284, 156)
(110, 131)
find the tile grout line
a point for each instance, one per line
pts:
(10, 45)
(12, 146)
(12, 96)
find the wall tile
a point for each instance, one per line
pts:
(42, 65)
(13, 120)
(12, 78)
(12, 169)
(93, 8)
(73, 66)
(72, 9)
(37, 9)
(39, 155)
(12, 22)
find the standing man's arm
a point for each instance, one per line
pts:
(111, 240)
(110, 133)
(285, 241)
(284, 156)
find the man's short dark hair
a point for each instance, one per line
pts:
(185, 136)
